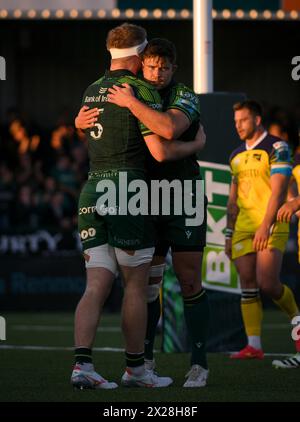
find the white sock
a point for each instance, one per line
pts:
(254, 341)
(137, 370)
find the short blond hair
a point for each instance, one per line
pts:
(253, 106)
(125, 36)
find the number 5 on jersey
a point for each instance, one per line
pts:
(97, 130)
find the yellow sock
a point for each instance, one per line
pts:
(287, 302)
(252, 316)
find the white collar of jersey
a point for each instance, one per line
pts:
(257, 142)
(136, 50)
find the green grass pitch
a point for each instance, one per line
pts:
(43, 375)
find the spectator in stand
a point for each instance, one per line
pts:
(65, 177)
(25, 212)
(80, 165)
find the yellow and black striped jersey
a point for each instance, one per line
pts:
(252, 169)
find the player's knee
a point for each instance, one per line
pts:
(134, 258)
(271, 288)
(190, 287)
(188, 277)
(248, 280)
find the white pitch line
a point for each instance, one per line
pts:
(62, 328)
(56, 348)
(266, 354)
(279, 326)
(96, 349)
(66, 328)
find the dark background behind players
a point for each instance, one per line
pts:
(49, 62)
(43, 160)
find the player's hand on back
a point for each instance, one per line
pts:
(86, 117)
(120, 95)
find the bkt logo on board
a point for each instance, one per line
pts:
(2, 69)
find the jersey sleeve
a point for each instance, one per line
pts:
(233, 174)
(185, 100)
(280, 159)
(152, 99)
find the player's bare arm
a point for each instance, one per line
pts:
(163, 150)
(279, 186)
(86, 117)
(232, 213)
(170, 124)
(287, 210)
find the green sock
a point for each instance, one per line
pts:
(196, 312)
(134, 360)
(152, 321)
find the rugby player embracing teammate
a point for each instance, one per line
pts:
(180, 119)
(117, 145)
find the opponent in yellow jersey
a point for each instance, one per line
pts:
(261, 169)
(252, 168)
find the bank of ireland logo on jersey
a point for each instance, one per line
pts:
(2, 69)
(2, 328)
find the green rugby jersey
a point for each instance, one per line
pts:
(116, 141)
(180, 97)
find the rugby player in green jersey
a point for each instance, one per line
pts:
(117, 145)
(180, 119)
